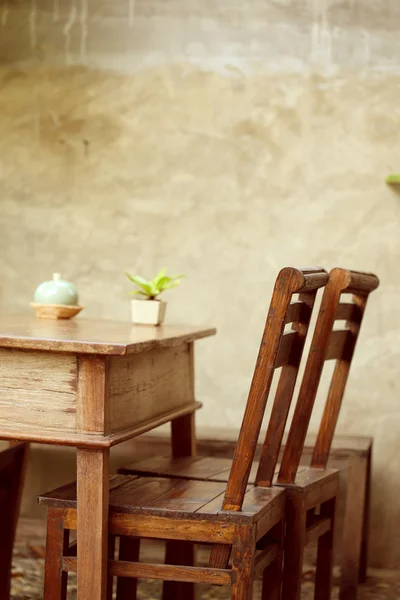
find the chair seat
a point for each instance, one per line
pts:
(172, 497)
(213, 469)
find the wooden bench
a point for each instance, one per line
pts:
(349, 454)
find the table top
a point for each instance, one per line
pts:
(85, 336)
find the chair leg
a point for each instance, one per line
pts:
(110, 578)
(12, 470)
(366, 511)
(6, 545)
(324, 571)
(272, 576)
(179, 553)
(23, 450)
(243, 553)
(183, 441)
(129, 549)
(295, 540)
(55, 579)
(356, 516)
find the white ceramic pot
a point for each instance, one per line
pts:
(148, 312)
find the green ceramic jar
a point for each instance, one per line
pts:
(56, 291)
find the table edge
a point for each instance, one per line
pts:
(71, 347)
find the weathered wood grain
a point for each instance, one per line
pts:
(38, 390)
(93, 404)
(164, 572)
(145, 385)
(92, 522)
(90, 440)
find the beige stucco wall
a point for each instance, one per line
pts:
(222, 139)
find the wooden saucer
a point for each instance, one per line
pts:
(55, 311)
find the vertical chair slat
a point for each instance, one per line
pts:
(337, 387)
(283, 398)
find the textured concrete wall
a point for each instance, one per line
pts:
(222, 139)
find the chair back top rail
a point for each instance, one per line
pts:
(277, 349)
(356, 282)
(327, 344)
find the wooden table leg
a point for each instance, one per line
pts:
(183, 436)
(353, 526)
(92, 531)
(183, 439)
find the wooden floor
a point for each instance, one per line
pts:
(29, 559)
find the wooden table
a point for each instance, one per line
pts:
(93, 384)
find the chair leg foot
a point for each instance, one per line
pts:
(366, 511)
(324, 571)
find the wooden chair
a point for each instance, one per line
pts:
(238, 520)
(327, 344)
(307, 488)
(349, 453)
(12, 467)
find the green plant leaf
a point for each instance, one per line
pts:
(168, 282)
(140, 292)
(163, 282)
(155, 290)
(171, 285)
(137, 279)
(142, 283)
(158, 277)
(148, 289)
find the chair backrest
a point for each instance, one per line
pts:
(279, 349)
(327, 344)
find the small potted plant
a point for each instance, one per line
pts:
(149, 310)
